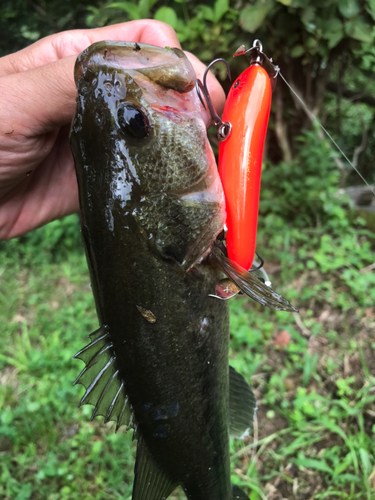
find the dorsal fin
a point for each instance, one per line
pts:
(150, 482)
(242, 405)
(104, 388)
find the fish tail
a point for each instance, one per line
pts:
(238, 494)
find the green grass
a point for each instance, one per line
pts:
(48, 448)
(315, 429)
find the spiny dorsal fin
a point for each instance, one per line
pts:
(150, 483)
(242, 405)
(104, 388)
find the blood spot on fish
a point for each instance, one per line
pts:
(148, 315)
(166, 108)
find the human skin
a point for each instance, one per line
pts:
(37, 103)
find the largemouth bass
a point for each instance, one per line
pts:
(151, 208)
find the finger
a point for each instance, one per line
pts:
(38, 100)
(70, 43)
(53, 94)
(214, 88)
(49, 193)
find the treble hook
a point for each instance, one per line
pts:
(219, 242)
(260, 265)
(223, 129)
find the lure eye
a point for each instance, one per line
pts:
(133, 120)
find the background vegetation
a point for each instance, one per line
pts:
(313, 373)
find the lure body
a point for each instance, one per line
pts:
(240, 159)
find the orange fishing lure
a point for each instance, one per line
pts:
(247, 111)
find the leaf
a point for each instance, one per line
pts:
(332, 31)
(285, 2)
(371, 8)
(359, 30)
(330, 25)
(220, 8)
(252, 17)
(330, 424)
(29, 34)
(312, 463)
(167, 15)
(130, 9)
(144, 7)
(311, 43)
(366, 462)
(207, 12)
(308, 15)
(297, 51)
(348, 8)
(334, 39)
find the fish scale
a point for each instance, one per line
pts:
(188, 169)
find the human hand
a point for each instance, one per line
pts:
(37, 177)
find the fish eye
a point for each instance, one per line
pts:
(133, 120)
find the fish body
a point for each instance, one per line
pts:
(151, 206)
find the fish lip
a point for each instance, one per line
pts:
(168, 67)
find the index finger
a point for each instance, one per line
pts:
(73, 42)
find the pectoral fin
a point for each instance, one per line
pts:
(150, 482)
(242, 405)
(104, 388)
(249, 284)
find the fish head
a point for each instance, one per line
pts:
(140, 147)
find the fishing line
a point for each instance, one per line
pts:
(314, 118)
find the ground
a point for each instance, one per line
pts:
(313, 374)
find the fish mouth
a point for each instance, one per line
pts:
(168, 67)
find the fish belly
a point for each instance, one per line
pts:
(175, 366)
